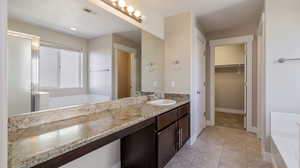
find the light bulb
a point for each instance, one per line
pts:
(73, 28)
(113, 1)
(122, 3)
(137, 13)
(130, 9)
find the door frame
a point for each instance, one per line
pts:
(248, 41)
(133, 54)
(3, 85)
(262, 119)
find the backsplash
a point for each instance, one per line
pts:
(28, 120)
(47, 116)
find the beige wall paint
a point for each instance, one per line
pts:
(229, 82)
(178, 47)
(59, 39)
(249, 29)
(152, 52)
(229, 89)
(229, 54)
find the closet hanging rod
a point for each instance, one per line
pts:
(283, 60)
(230, 66)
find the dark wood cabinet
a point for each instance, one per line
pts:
(137, 149)
(183, 130)
(166, 144)
(166, 119)
(155, 145)
(183, 110)
(174, 136)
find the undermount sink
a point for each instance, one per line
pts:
(162, 102)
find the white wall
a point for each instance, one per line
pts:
(100, 60)
(106, 157)
(3, 84)
(197, 71)
(282, 41)
(152, 52)
(60, 39)
(178, 47)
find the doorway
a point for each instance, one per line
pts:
(229, 86)
(125, 71)
(247, 42)
(124, 74)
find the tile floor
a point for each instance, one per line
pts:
(230, 120)
(221, 147)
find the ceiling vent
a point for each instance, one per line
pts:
(89, 11)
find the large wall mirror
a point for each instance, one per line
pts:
(71, 52)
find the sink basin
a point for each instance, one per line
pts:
(162, 102)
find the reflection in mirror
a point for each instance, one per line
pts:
(71, 52)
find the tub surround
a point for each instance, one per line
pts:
(285, 139)
(38, 137)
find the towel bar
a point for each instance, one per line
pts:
(283, 60)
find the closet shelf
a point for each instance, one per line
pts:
(230, 66)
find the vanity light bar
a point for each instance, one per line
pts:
(128, 10)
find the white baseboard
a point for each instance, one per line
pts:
(117, 165)
(228, 110)
(209, 123)
(193, 139)
(252, 129)
(267, 156)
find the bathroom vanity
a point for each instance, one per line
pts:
(150, 135)
(156, 144)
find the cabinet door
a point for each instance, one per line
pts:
(183, 130)
(138, 149)
(166, 140)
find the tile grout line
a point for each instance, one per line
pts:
(219, 159)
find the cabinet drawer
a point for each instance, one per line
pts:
(183, 110)
(166, 119)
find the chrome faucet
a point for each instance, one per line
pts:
(158, 94)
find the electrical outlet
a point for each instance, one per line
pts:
(173, 83)
(155, 83)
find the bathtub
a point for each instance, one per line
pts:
(285, 136)
(56, 102)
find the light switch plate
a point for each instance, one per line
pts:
(173, 83)
(155, 83)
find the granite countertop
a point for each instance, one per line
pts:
(31, 146)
